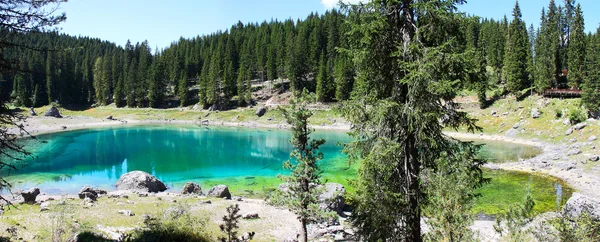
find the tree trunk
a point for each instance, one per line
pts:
(413, 218)
(304, 235)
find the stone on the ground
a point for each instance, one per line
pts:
(261, 111)
(567, 122)
(174, 212)
(580, 126)
(569, 131)
(191, 188)
(53, 112)
(573, 152)
(512, 133)
(30, 194)
(332, 197)
(221, 191)
(110, 117)
(593, 158)
(250, 216)
(127, 212)
(32, 112)
(45, 206)
(535, 113)
(579, 203)
(592, 138)
(494, 112)
(140, 181)
(516, 126)
(90, 192)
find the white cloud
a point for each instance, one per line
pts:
(333, 3)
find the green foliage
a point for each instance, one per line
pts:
(516, 60)
(184, 94)
(583, 227)
(230, 225)
(302, 198)
(576, 48)
(403, 74)
(451, 190)
(576, 116)
(558, 113)
(591, 87)
(513, 224)
(175, 225)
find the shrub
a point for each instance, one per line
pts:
(176, 224)
(577, 115)
(558, 112)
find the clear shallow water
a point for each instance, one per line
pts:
(247, 160)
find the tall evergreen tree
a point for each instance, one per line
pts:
(576, 48)
(323, 85)
(99, 82)
(517, 54)
(591, 86)
(397, 116)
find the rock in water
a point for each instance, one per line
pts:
(535, 113)
(191, 188)
(30, 194)
(332, 197)
(261, 111)
(221, 191)
(53, 112)
(139, 180)
(579, 203)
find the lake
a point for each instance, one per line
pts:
(247, 160)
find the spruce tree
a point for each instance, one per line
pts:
(50, 77)
(302, 198)
(99, 82)
(517, 54)
(323, 80)
(591, 86)
(120, 93)
(397, 115)
(344, 78)
(38, 100)
(184, 94)
(576, 49)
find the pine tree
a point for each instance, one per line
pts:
(184, 94)
(120, 93)
(38, 100)
(323, 80)
(302, 198)
(517, 54)
(156, 90)
(344, 78)
(50, 77)
(99, 82)
(576, 49)
(591, 86)
(397, 116)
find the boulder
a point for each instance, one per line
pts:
(569, 131)
(45, 206)
(140, 181)
(191, 188)
(573, 152)
(332, 197)
(30, 194)
(221, 191)
(250, 216)
(53, 112)
(567, 122)
(580, 126)
(90, 192)
(593, 158)
(579, 203)
(512, 133)
(592, 138)
(127, 212)
(535, 113)
(261, 111)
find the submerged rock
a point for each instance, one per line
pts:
(30, 194)
(141, 181)
(191, 188)
(221, 191)
(53, 112)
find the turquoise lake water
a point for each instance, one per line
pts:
(247, 160)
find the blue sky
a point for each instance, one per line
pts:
(162, 22)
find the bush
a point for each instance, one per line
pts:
(176, 224)
(577, 115)
(558, 112)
